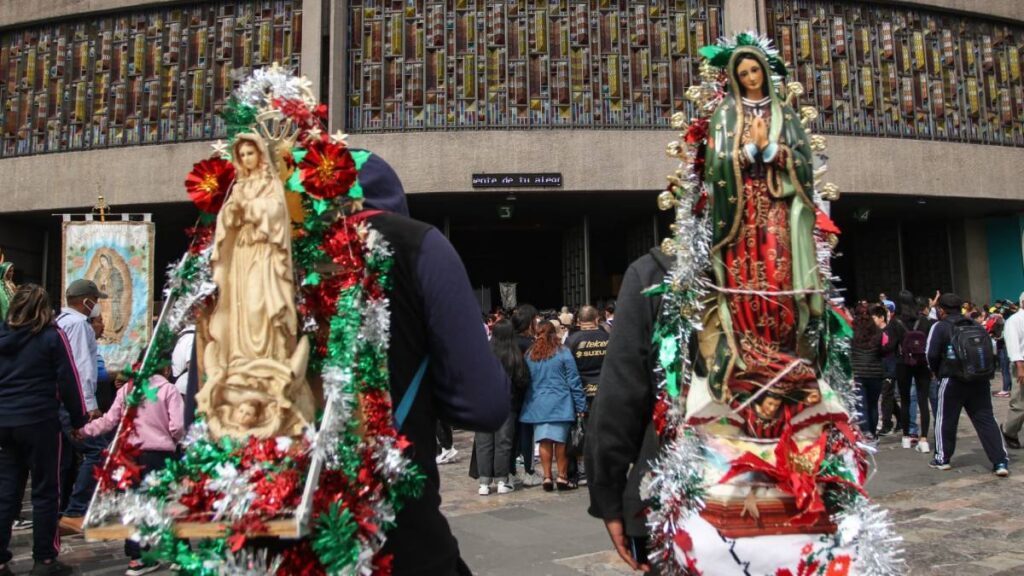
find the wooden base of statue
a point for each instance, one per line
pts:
(773, 517)
(293, 525)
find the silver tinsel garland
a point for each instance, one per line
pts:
(265, 85)
(676, 487)
(866, 527)
(186, 294)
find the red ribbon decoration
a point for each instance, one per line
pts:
(796, 472)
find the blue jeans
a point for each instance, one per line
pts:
(1004, 366)
(91, 449)
(870, 392)
(915, 429)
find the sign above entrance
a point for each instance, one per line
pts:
(546, 180)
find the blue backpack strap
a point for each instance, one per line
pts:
(403, 407)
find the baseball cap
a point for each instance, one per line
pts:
(950, 301)
(83, 287)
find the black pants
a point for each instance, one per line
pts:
(149, 460)
(890, 407)
(976, 400)
(444, 435)
(920, 377)
(35, 448)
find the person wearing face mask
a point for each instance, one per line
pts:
(82, 297)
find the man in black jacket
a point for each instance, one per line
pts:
(954, 395)
(621, 439)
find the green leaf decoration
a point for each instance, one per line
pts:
(335, 542)
(360, 157)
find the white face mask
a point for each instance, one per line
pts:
(94, 311)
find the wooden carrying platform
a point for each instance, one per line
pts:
(774, 517)
(294, 527)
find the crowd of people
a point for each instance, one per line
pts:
(906, 358)
(60, 406)
(554, 361)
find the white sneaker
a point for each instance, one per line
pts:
(505, 488)
(923, 447)
(447, 456)
(906, 441)
(486, 489)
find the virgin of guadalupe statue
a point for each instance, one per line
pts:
(253, 361)
(761, 332)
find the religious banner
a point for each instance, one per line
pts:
(118, 257)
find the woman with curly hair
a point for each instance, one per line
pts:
(554, 400)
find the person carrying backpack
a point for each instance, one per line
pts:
(912, 373)
(960, 352)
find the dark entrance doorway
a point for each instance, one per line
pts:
(558, 248)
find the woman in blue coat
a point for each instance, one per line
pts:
(554, 400)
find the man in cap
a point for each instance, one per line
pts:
(956, 394)
(82, 297)
(1013, 339)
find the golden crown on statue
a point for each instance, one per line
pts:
(277, 129)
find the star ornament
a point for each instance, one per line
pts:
(339, 137)
(796, 472)
(220, 149)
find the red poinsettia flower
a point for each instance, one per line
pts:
(697, 132)
(795, 471)
(208, 183)
(328, 170)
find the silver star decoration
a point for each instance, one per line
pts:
(339, 137)
(314, 134)
(220, 148)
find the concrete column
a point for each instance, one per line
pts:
(338, 64)
(743, 15)
(969, 255)
(312, 22)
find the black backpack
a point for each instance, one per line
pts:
(969, 357)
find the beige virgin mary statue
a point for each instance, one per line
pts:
(253, 359)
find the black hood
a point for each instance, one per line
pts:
(381, 187)
(13, 340)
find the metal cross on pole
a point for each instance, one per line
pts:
(101, 207)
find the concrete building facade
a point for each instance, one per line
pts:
(922, 103)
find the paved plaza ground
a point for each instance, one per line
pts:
(963, 522)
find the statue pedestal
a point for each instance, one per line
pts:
(768, 515)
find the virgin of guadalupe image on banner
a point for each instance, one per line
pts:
(762, 466)
(118, 257)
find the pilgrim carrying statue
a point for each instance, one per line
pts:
(254, 360)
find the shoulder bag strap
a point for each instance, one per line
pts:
(405, 404)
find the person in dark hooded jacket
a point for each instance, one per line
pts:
(621, 439)
(37, 376)
(435, 318)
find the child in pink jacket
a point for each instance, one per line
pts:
(159, 426)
